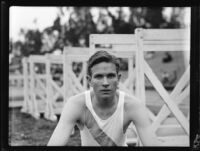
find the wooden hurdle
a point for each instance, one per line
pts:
(18, 79)
(154, 40)
(30, 81)
(15, 82)
(40, 91)
(24, 95)
(53, 90)
(72, 83)
(168, 40)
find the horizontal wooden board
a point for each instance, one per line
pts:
(112, 39)
(38, 59)
(15, 77)
(182, 140)
(170, 130)
(166, 47)
(58, 59)
(76, 51)
(166, 34)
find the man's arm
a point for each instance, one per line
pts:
(69, 116)
(139, 115)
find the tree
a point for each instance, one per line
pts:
(79, 22)
(73, 26)
(177, 18)
(153, 16)
(32, 43)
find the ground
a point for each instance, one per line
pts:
(24, 130)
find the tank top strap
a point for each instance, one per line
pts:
(88, 103)
(88, 100)
(121, 98)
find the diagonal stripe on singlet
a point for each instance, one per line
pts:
(98, 134)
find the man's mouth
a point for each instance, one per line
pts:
(105, 90)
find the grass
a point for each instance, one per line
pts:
(24, 130)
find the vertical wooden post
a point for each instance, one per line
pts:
(140, 83)
(84, 75)
(49, 114)
(31, 86)
(92, 44)
(34, 112)
(47, 109)
(130, 74)
(25, 88)
(66, 78)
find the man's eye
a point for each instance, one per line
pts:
(98, 76)
(111, 76)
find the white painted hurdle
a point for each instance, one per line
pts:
(18, 81)
(168, 40)
(15, 82)
(53, 90)
(72, 82)
(41, 86)
(156, 40)
(31, 79)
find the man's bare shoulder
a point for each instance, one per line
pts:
(131, 102)
(77, 100)
(134, 109)
(76, 104)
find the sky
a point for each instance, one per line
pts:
(23, 17)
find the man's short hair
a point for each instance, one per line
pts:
(102, 56)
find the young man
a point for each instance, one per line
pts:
(104, 112)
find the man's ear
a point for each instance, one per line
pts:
(89, 79)
(119, 76)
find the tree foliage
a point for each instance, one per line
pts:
(32, 42)
(73, 26)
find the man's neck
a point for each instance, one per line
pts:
(104, 102)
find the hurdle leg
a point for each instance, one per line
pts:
(25, 87)
(49, 113)
(35, 112)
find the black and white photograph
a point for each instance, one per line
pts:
(99, 76)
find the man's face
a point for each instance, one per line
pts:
(104, 79)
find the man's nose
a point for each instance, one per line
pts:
(105, 81)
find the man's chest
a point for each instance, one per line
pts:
(89, 120)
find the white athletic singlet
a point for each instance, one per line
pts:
(113, 126)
